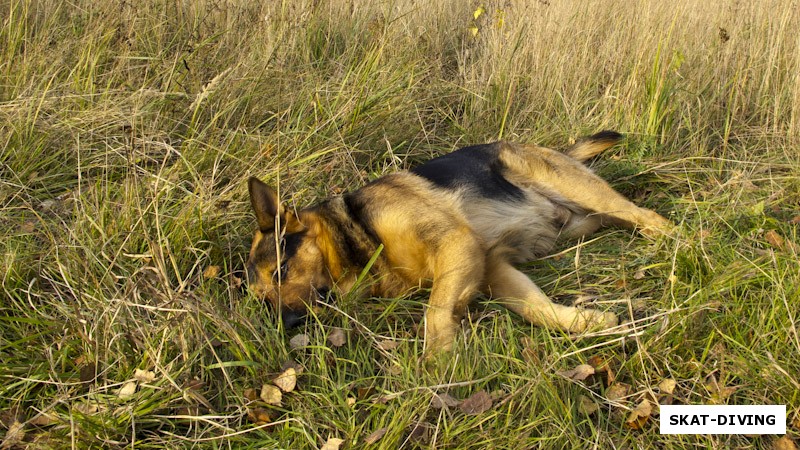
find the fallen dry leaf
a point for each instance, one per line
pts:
(301, 340)
(445, 400)
(639, 274)
(667, 386)
(144, 376)
(287, 380)
(251, 394)
(477, 403)
(530, 351)
(337, 337)
(640, 415)
(211, 272)
(587, 406)
(332, 444)
(617, 392)
(376, 435)
(795, 220)
(28, 227)
(259, 416)
(364, 392)
(579, 373)
(298, 368)
(9, 416)
(88, 373)
(44, 420)
(784, 443)
(127, 390)
(644, 408)
(719, 393)
(774, 239)
(388, 344)
(420, 433)
(603, 366)
(14, 435)
(87, 408)
(271, 395)
(599, 363)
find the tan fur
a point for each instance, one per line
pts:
(455, 239)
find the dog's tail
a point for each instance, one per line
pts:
(590, 146)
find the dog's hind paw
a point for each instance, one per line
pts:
(593, 320)
(655, 225)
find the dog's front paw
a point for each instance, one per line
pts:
(440, 332)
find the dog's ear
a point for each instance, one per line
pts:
(268, 207)
(265, 204)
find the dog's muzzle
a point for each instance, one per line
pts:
(292, 318)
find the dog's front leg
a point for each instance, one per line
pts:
(458, 270)
(514, 290)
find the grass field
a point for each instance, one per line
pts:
(128, 130)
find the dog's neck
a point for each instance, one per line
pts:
(345, 238)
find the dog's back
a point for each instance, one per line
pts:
(502, 191)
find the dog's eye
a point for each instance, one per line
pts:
(280, 273)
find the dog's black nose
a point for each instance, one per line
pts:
(292, 318)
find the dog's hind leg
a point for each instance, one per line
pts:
(567, 181)
(514, 290)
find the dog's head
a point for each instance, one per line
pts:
(285, 266)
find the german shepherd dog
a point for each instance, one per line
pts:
(457, 224)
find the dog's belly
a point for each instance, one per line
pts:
(518, 230)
